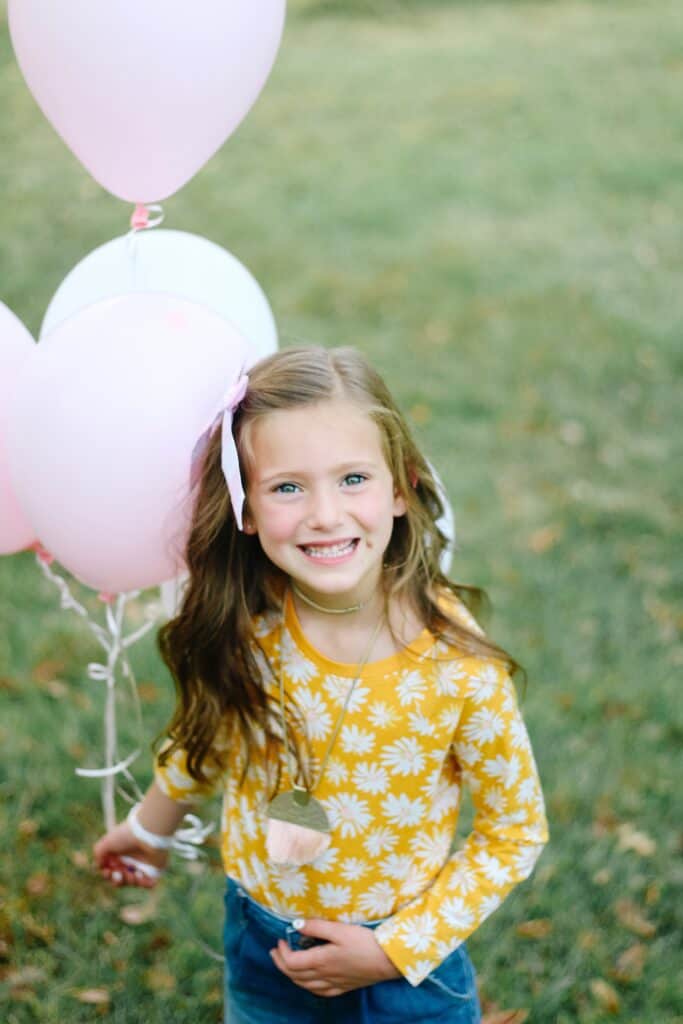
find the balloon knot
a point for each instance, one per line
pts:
(140, 219)
(105, 597)
(42, 553)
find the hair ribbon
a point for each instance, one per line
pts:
(230, 462)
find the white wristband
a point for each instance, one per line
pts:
(151, 839)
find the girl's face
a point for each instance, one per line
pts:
(322, 499)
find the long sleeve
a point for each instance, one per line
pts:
(492, 747)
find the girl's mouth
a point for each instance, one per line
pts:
(333, 551)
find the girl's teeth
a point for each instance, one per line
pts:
(330, 550)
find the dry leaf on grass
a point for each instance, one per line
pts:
(629, 838)
(24, 977)
(140, 913)
(604, 994)
(37, 884)
(631, 917)
(159, 979)
(93, 996)
(535, 928)
(544, 539)
(629, 966)
(505, 1017)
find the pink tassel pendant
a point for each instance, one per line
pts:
(298, 828)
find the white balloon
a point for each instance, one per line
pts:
(446, 524)
(16, 346)
(174, 262)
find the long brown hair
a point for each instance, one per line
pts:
(210, 646)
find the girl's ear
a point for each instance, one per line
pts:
(248, 524)
(400, 505)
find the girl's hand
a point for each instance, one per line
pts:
(351, 958)
(115, 855)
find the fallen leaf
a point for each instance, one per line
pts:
(46, 670)
(110, 938)
(44, 933)
(24, 977)
(629, 838)
(93, 996)
(631, 917)
(27, 828)
(629, 965)
(587, 939)
(535, 928)
(140, 913)
(544, 539)
(159, 979)
(37, 884)
(505, 1017)
(652, 894)
(604, 994)
(56, 689)
(80, 859)
(602, 877)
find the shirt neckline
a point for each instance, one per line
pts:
(415, 648)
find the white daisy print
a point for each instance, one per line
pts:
(495, 800)
(173, 774)
(326, 861)
(396, 865)
(314, 710)
(337, 688)
(484, 726)
(484, 683)
(401, 810)
(420, 724)
(491, 867)
(467, 753)
(334, 895)
(336, 771)
(291, 881)
(418, 971)
(456, 913)
(415, 882)
(519, 737)
(378, 900)
(463, 879)
(450, 676)
(526, 859)
(259, 871)
(357, 741)
(419, 931)
(404, 757)
(297, 668)
(444, 799)
(348, 813)
(353, 868)
(380, 841)
(381, 715)
(411, 688)
(501, 768)
(489, 904)
(432, 848)
(450, 717)
(370, 777)
(247, 817)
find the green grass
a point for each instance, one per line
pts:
(486, 197)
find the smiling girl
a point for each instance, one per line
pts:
(333, 686)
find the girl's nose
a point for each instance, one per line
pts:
(324, 510)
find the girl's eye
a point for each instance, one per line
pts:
(354, 479)
(286, 488)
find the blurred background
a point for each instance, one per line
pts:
(486, 198)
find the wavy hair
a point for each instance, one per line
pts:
(211, 647)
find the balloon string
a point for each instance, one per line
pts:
(141, 221)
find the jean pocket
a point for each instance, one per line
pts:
(455, 976)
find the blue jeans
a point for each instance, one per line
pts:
(256, 992)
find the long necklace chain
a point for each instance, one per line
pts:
(359, 671)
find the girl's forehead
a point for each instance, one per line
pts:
(326, 432)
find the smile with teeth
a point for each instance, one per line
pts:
(331, 550)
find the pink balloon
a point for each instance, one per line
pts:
(16, 345)
(103, 430)
(145, 92)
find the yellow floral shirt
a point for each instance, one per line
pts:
(420, 724)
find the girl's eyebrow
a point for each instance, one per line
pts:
(302, 474)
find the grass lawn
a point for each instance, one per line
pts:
(486, 197)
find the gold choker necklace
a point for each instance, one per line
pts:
(322, 608)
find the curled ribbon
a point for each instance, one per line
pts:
(229, 458)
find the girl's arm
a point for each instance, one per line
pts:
(508, 834)
(117, 852)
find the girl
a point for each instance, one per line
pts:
(333, 686)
